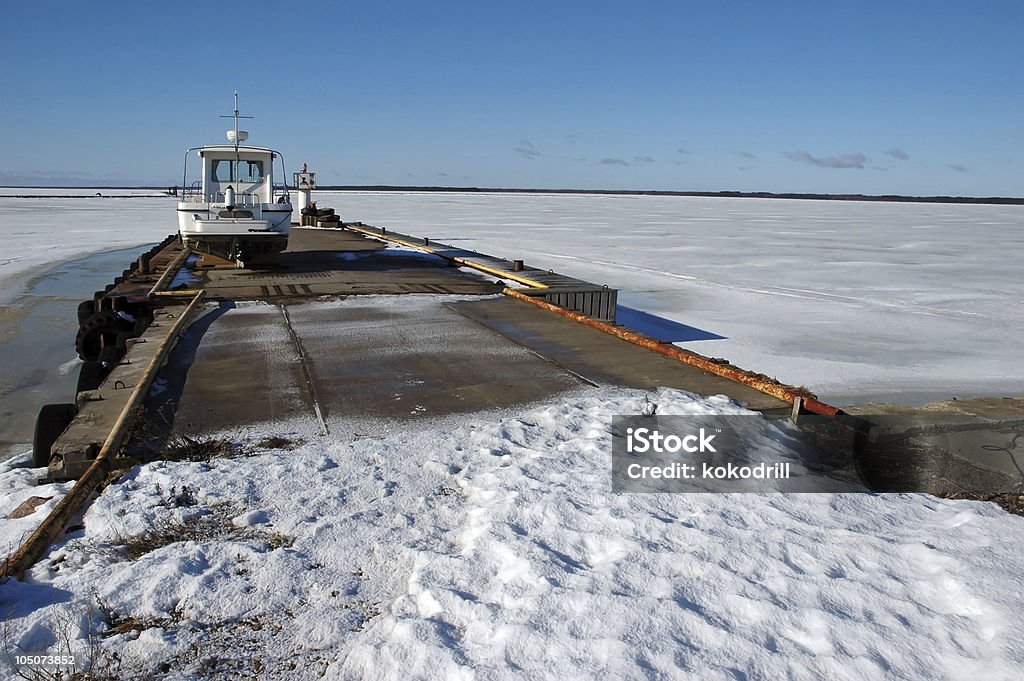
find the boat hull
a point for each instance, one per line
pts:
(243, 239)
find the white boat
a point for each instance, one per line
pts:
(235, 210)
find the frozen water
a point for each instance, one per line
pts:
(905, 301)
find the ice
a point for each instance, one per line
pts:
(42, 228)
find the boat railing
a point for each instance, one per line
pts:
(195, 194)
(246, 199)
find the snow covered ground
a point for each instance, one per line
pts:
(489, 546)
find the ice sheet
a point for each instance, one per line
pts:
(906, 301)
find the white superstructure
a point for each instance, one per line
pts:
(235, 210)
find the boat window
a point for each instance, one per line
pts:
(250, 171)
(222, 171)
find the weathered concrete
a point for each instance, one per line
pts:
(234, 365)
(100, 409)
(407, 357)
(604, 359)
(973, 446)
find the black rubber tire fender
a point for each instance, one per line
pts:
(112, 354)
(91, 375)
(121, 343)
(93, 331)
(52, 421)
(85, 309)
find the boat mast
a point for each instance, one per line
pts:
(234, 170)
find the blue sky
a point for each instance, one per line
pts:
(871, 97)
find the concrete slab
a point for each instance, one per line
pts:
(412, 356)
(235, 365)
(604, 359)
(383, 356)
(954, 446)
(292, 357)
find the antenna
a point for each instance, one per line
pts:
(236, 137)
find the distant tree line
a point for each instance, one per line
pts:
(654, 192)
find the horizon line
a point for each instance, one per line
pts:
(826, 196)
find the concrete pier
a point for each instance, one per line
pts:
(274, 341)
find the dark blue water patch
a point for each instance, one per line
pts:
(659, 328)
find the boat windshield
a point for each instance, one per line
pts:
(248, 171)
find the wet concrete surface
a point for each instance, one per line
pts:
(400, 357)
(234, 365)
(460, 349)
(417, 358)
(38, 364)
(389, 357)
(603, 359)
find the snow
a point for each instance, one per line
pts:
(490, 545)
